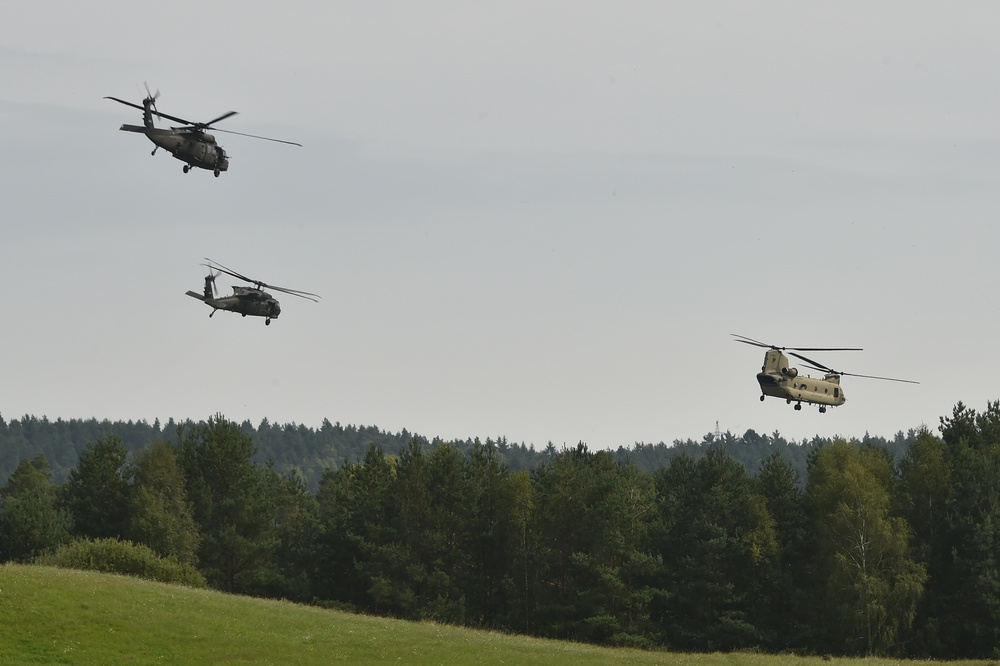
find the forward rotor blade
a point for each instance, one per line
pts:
(757, 343)
(255, 136)
(749, 341)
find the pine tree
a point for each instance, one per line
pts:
(31, 522)
(96, 491)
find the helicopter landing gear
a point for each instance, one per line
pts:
(798, 406)
(267, 322)
(822, 410)
(788, 401)
(762, 397)
(217, 172)
(154, 150)
(187, 167)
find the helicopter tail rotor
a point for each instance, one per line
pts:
(152, 100)
(210, 290)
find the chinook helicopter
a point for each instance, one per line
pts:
(778, 380)
(190, 143)
(244, 300)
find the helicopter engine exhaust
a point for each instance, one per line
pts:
(790, 372)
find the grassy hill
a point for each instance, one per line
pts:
(58, 616)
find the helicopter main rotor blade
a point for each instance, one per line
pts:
(822, 368)
(158, 113)
(121, 101)
(261, 284)
(749, 341)
(887, 379)
(214, 265)
(219, 119)
(295, 292)
(757, 343)
(816, 364)
(255, 136)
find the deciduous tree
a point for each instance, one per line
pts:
(872, 584)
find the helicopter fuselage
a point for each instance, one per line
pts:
(244, 300)
(778, 380)
(197, 149)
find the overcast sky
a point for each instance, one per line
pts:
(536, 220)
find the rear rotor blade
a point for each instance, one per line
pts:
(887, 379)
(816, 365)
(819, 366)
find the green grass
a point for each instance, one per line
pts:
(59, 616)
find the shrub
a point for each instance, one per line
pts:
(122, 557)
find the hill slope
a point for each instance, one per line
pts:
(74, 617)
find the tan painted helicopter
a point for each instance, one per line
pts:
(252, 301)
(191, 143)
(778, 380)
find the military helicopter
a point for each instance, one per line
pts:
(190, 143)
(245, 300)
(778, 380)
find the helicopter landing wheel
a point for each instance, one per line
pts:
(217, 173)
(822, 410)
(187, 167)
(154, 151)
(798, 406)
(762, 398)
(267, 322)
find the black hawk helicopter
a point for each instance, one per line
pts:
(190, 143)
(244, 300)
(778, 380)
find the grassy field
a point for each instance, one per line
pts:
(57, 616)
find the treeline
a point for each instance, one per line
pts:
(311, 451)
(868, 554)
